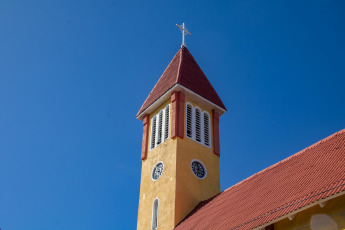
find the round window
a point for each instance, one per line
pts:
(198, 169)
(157, 171)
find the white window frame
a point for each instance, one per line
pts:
(153, 209)
(164, 110)
(202, 130)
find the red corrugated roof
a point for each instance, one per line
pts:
(308, 176)
(183, 70)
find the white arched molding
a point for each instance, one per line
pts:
(198, 125)
(154, 224)
(160, 127)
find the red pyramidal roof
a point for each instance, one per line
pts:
(183, 70)
(289, 186)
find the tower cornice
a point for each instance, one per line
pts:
(177, 87)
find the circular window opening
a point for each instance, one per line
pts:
(157, 171)
(198, 169)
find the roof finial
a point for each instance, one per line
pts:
(184, 32)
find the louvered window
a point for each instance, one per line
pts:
(153, 132)
(160, 124)
(197, 125)
(167, 120)
(189, 121)
(160, 127)
(206, 129)
(155, 214)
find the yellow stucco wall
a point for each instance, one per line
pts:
(190, 190)
(163, 188)
(178, 189)
(330, 217)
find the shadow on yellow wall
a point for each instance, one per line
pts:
(322, 222)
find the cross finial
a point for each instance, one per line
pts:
(184, 32)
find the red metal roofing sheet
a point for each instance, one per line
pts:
(310, 175)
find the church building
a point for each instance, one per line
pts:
(180, 178)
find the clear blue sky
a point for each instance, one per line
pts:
(73, 75)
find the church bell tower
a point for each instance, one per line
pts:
(180, 145)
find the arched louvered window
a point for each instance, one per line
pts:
(155, 214)
(206, 129)
(197, 125)
(153, 132)
(160, 127)
(167, 122)
(189, 121)
(160, 124)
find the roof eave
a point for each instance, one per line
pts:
(319, 202)
(167, 94)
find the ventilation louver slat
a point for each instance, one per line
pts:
(160, 122)
(153, 132)
(189, 121)
(167, 118)
(206, 130)
(197, 125)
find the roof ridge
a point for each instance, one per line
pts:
(166, 69)
(288, 158)
(153, 89)
(179, 65)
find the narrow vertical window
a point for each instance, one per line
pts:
(206, 129)
(189, 121)
(160, 124)
(155, 214)
(160, 127)
(166, 128)
(153, 132)
(197, 125)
